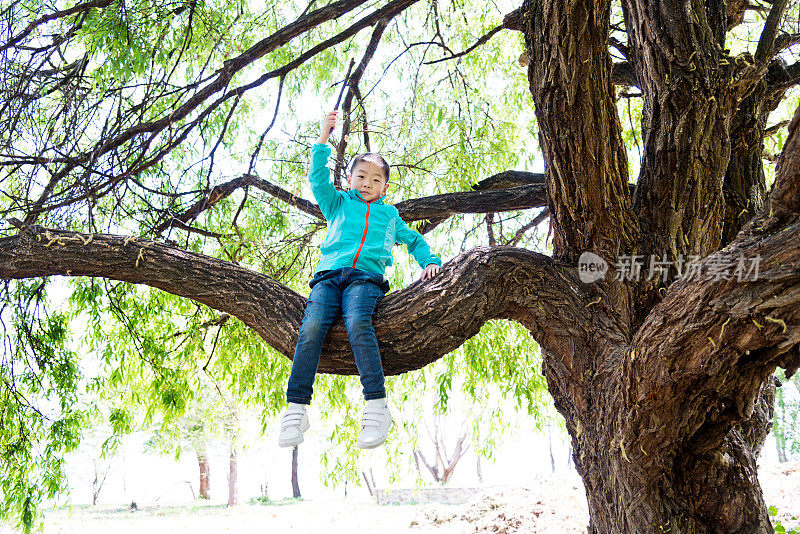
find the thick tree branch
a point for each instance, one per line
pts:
(786, 40)
(714, 342)
(744, 186)
(622, 73)
(784, 198)
(579, 129)
(509, 178)
(415, 325)
(495, 194)
(717, 17)
(514, 20)
(781, 78)
(736, 11)
(690, 89)
(78, 8)
(491, 201)
(766, 43)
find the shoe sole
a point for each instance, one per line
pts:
(377, 443)
(371, 445)
(292, 443)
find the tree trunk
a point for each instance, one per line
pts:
(97, 483)
(295, 480)
(233, 478)
(665, 389)
(709, 486)
(780, 447)
(369, 484)
(780, 433)
(205, 475)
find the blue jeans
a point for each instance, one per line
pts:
(354, 294)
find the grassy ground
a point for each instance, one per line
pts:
(547, 505)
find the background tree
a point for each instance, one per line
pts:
(787, 414)
(129, 153)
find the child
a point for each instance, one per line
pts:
(350, 281)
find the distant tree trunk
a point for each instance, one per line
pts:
(778, 428)
(432, 469)
(97, 483)
(480, 474)
(369, 485)
(295, 482)
(233, 482)
(781, 448)
(205, 478)
(550, 448)
(265, 491)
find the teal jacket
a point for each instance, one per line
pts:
(360, 234)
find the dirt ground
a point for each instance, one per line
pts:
(559, 506)
(547, 505)
(552, 505)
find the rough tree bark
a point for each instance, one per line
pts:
(668, 410)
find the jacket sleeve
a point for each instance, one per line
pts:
(327, 196)
(416, 244)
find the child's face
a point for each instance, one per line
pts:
(369, 180)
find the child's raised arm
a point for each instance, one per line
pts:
(319, 175)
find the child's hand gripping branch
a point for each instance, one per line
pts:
(429, 272)
(327, 126)
(350, 282)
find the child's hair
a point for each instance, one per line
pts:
(371, 157)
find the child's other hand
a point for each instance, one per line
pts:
(430, 271)
(327, 126)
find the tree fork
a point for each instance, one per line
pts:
(677, 424)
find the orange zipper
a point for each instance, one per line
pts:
(366, 225)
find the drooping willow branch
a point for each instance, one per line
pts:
(146, 133)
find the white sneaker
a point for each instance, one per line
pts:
(293, 423)
(375, 424)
